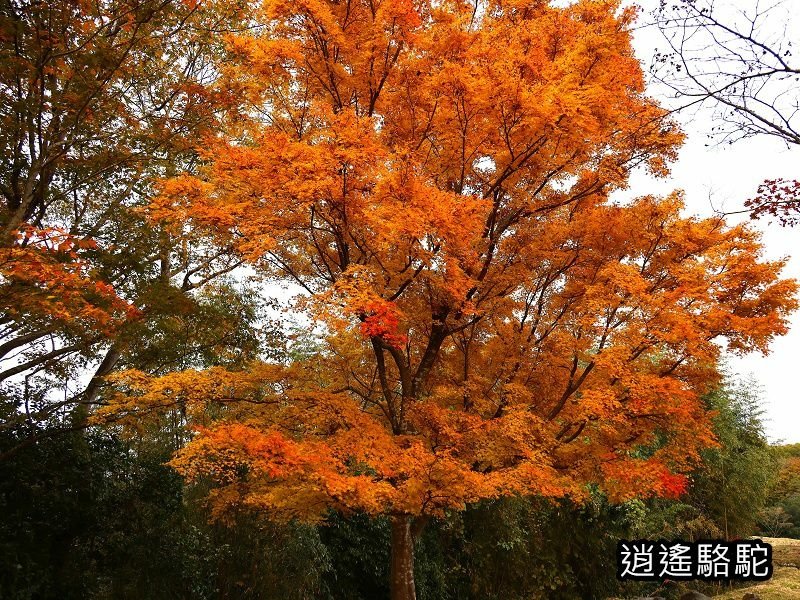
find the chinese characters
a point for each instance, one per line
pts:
(645, 560)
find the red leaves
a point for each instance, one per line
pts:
(672, 485)
(779, 198)
(627, 477)
(381, 319)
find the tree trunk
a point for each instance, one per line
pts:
(81, 411)
(402, 572)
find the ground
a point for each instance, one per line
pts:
(785, 582)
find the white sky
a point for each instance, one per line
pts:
(726, 176)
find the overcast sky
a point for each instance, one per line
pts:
(722, 177)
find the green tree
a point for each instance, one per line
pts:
(733, 481)
(781, 517)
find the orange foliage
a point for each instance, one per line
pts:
(437, 178)
(45, 277)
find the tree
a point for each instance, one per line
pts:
(738, 60)
(775, 521)
(435, 177)
(741, 64)
(782, 515)
(97, 99)
(89, 515)
(731, 486)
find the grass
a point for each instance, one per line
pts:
(785, 582)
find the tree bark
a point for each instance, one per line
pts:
(402, 568)
(81, 411)
(105, 367)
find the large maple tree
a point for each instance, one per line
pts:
(436, 177)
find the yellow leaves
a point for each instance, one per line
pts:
(141, 397)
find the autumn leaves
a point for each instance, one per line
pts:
(436, 177)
